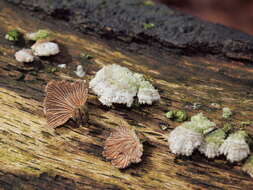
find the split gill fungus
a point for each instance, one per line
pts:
(123, 147)
(64, 101)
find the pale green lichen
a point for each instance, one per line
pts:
(170, 114)
(227, 113)
(245, 123)
(239, 135)
(177, 115)
(148, 3)
(227, 126)
(51, 69)
(216, 137)
(13, 35)
(213, 141)
(200, 123)
(248, 166)
(40, 34)
(147, 26)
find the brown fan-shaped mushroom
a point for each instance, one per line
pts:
(123, 147)
(65, 100)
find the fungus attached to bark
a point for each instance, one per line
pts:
(24, 56)
(213, 141)
(123, 147)
(79, 71)
(62, 66)
(65, 100)
(117, 84)
(188, 136)
(235, 147)
(41, 48)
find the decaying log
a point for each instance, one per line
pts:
(33, 156)
(135, 21)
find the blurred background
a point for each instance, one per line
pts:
(237, 14)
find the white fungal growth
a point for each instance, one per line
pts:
(183, 140)
(188, 136)
(117, 84)
(210, 150)
(212, 142)
(79, 71)
(146, 93)
(235, 147)
(62, 66)
(45, 48)
(24, 56)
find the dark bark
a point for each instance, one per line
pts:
(125, 20)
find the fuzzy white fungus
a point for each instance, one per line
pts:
(117, 84)
(24, 56)
(212, 142)
(79, 71)
(45, 48)
(188, 136)
(62, 66)
(235, 147)
(183, 140)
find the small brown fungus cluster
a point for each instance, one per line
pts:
(65, 100)
(123, 147)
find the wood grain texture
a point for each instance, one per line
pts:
(33, 156)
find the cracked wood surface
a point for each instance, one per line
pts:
(33, 156)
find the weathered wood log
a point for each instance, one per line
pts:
(33, 156)
(135, 21)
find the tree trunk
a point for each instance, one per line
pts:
(33, 156)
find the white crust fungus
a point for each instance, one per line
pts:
(212, 142)
(188, 136)
(117, 84)
(235, 147)
(45, 48)
(24, 56)
(79, 71)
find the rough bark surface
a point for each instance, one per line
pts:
(33, 156)
(128, 21)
